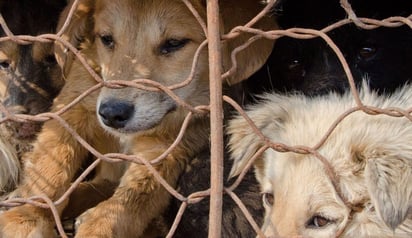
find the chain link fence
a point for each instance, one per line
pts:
(215, 108)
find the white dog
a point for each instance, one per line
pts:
(371, 156)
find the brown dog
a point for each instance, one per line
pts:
(128, 40)
(29, 78)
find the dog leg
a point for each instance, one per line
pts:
(100, 188)
(138, 199)
(55, 159)
(94, 192)
(49, 172)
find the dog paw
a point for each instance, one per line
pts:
(103, 221)
(82, 218)
(85, 226)
(24, 222)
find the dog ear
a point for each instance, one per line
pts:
(244, 142)
(249, 60)
(389, 180)
(78, 31)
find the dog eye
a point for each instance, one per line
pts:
(367, 52)
(294, 64)
(172, 45)
(318, 221)
(107, 41)
(268, 199)
(4, 64)
(50, 60)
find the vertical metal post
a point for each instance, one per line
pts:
(216, 119)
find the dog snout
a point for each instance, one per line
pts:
(115, 114)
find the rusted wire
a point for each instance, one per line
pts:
(213, 41)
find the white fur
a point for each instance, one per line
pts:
(9, 165)
(372, 156)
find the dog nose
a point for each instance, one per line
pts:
(115, 114)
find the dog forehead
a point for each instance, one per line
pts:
(285, 168)
(301, 179)
(138, 16)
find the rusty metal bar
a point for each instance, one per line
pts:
(216, 111)
(216, 119)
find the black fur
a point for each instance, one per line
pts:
(383, 55)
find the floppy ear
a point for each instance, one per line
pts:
(79, 30)
(244, 142)
(389, 180)
(236, 13)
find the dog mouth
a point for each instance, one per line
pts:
(127, 118)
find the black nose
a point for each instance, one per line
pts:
(115, 114)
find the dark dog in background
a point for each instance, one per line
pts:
(382, 56)
(29, 78)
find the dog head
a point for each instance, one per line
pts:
(371, 156)
(29, 75)
(383, 55)
(157, 41)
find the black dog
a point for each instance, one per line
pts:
(383, 56)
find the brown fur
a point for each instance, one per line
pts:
(139, 29)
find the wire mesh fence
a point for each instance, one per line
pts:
(210, 26)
